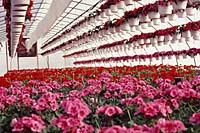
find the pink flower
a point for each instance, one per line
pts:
(75, 107)
(109, 110)
(170, 126)
(11, 99)
(113, 129)
(18, 126)
(174, 103)
(195, 118)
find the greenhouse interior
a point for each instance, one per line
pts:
(100, 66)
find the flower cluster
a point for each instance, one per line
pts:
(35, 123)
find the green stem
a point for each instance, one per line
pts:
(191, 108)
(96, 121)
(129, 115)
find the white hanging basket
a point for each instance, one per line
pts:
(114, 8)
(144, 18)
(98, 18)
(20, 2)
(191, 11)
(150, 24)
(195, 32)
(184, 56)
(153, 40)
(112, 30)
(144, 25)
(117, 29)
(128, 2)
(147, 41)
(133, 29)
(196, 37)
(161, 38)
(173, 17)
(176, 36)
(164, 19)
(121, 5)
(174, 41)
(141, 41)
(182, 40)
(133, 21)
(154, 15)
(164, 10)
(22, 13)
(168, 38)
(103, 15)
(156, 21)
(181, 14)
(18, 19)
(125, 27)
(108, 12)
(186, 34)
(180, 5)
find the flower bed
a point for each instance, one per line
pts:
(102, 103)
(150, 73)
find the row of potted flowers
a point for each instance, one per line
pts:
(128, 16)
(102, 105)
(28, 15)
(190, 52)
(173, 33)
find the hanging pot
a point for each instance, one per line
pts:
(182, 40)
(133, 21)
(133, 29)
(103, 15)
(180, 5)
(121, 5)
(191, 11)
(125, 27)
(181, 14)
(154, 15)
(20, 2)
(156, 21)
(141, 41)
(128, 2)
(173, 17)
(144, 18)
(144, 25)
(168, 38)
(112, 30)
(161, 38)
(176, 36)
(165, 10)
(114, 8)
(195, 32)
(186, 34)
(153, 40)
(164, 19)
(196, 37)
(174, 41)
(147, 41)
(108, 12)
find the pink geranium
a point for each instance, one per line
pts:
(170, 126)
(113, 129)
(75, 107)
(35, 123)
(195, 118)
(109, 110)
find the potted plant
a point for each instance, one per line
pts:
(165, 7)
(180, 4)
